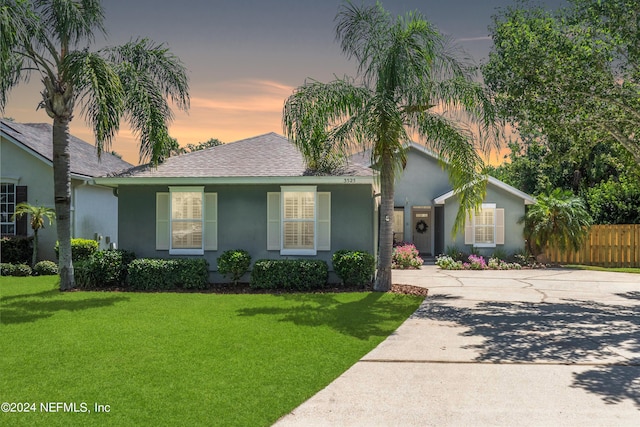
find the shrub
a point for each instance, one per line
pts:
(81, 249)
(446, 262)
(16, 250)
(234, 263)
(21, 270)
(405, 257)
(477, 262)
(163, 274)
(500, 253)
(46, 268)
(290, 274)
(103, 269)
(454, 253)
(192, 273)
(354, 267)
(6, 269)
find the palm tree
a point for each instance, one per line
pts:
(135, 81)
(409, 83)
(558, 219)
(38, 215)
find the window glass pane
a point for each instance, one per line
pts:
(186, 220)
(299, 205)
(186, 205)
(485, 226)
(298, 235)
(7, 208)
(186, 235)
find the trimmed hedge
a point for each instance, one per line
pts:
(354, 267)
(6, 269)
(234, 263)
(81, 249)
(103, 269)
(21, 270)
(289, 274)
(16, 250)
(45, 268)
(147, 274)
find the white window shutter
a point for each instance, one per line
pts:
(500, 226)
(210, 221)
(273, 221)
(163, 217)
(468, 230)
(324, 221)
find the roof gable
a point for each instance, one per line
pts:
(268, 155)
(364, 158)
(37, 138)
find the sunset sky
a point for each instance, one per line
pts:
(245, 57)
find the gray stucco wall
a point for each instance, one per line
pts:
(422, 181)
(513, 210)
(22, 168)
(242, 219)
(93, 208)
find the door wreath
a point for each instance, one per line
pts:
(422, 227)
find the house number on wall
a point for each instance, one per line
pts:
(349, 180)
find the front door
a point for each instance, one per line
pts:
(422, 230)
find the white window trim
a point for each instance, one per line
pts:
(11, 222)
(191, 251)
(299, 189)
(486, 245)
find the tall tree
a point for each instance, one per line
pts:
(135, 81)
(573, 75)
(38, 216)
(408, 76)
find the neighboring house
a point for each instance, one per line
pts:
(426, 207)
(254, 194)
(26, 175)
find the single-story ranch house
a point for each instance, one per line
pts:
(256, 194)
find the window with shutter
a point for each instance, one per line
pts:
(485, 229)
(299, 220)
(7, 209)
(186, 221)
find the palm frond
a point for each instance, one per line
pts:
(100, 91)
(163, 68)
(71, 20)
(460, 158)
(151, 76)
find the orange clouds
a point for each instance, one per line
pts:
(229, 111)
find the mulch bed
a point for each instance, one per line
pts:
(243, 288)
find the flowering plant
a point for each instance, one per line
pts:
(405, 257)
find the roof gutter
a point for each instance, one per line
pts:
(115, 182)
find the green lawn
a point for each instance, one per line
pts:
(179, 358)
(614, 269)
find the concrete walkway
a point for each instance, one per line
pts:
(498, 348)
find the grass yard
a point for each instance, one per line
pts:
(179, 358)
(613, 269)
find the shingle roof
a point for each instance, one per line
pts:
(38, 137)
(268, 155)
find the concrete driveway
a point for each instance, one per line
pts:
(498, 348)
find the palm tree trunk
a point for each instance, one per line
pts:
(62, 194)
(383, 277)
(34, 256)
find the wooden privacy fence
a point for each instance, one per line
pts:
(605, 246)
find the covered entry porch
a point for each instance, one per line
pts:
(421, 225)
